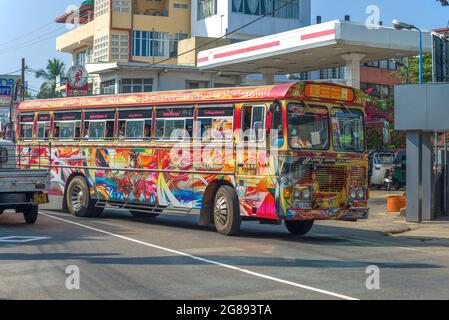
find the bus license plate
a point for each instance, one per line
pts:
(40, 198)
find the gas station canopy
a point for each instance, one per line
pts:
(327, 45)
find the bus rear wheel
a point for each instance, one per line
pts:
(78, 200)
(227, 211)
(299, 228)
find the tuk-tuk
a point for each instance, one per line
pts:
(380, 168)
(400, 169)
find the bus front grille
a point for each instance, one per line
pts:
(331, 179)
(302, 174)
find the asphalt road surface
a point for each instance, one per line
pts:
(170, 257)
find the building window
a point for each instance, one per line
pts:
(80, 58)
(101, 7)
(150, 44)
(89, 55)
(137, 85)
(288, 9)
(174, 40)
(107, 87)
(377, 90)
(180, 6)
(101, 49)
(119, 46)
(121, 6)
(206, 8)
(332, 73)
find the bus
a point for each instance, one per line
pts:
(289, 153)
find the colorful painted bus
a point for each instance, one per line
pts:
(292, 153)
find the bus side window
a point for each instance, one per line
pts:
(135, 124)
(253, 123)
(26, 127)
(215, 123)
(277, 136)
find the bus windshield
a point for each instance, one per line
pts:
(308, 127)
(347, 130)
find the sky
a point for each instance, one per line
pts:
(18, 20)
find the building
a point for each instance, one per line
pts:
(133, 45)
(7, 83)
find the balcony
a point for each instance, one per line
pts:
(142, 7)
(76, 38)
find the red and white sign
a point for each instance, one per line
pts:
(77, 84)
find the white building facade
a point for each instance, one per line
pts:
(215, 18)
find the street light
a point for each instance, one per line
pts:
(399, 25)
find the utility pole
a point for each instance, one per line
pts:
(22, 78)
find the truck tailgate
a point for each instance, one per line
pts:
(14, 180)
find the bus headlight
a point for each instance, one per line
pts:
(306, 194)
(353, 194)
(361, 194)
(297, 194)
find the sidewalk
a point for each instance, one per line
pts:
(394, 224)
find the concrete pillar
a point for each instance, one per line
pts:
(353, 61)
(268, 75)
(428, 186)
(414, 177)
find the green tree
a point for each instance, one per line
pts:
(55, 68)
(413, 69)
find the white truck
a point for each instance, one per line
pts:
(21, 189)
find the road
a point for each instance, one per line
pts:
(170, 257)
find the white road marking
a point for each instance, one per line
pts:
(224, 265)
(21, 239)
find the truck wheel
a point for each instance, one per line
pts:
(299, 228)
(78, 200)
(227, 211)
(30, 214)
(140, 214)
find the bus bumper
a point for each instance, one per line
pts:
(351, 214)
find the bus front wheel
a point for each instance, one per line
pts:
(299, 228)
(227, 218)
(78, 199)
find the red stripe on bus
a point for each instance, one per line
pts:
(249, 49)
(318, 34)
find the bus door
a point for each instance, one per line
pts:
(251, 159)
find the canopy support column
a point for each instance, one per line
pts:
(353, 61)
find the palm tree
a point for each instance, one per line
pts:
(55, 68)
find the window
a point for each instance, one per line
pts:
(150, 44)
(26, 126)
(206, 8)
(180, 6)
(277, 123)
(174, 124)
(67, 125)
(101, 49)
(107, 87)
(121, 5)
(173, 44)
(288, 9)
(215, 123)
(347, 130)
(135, 124)
(137, 85)
(80, 58)
(101, 7)
(43, 127)
(253, 123)
(99, 125)
(308, 127)
(120, 46)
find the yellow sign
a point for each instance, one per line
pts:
(326, 91)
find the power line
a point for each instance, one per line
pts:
(10, 73)
(27, 34)
(35, 41)
(222, 37)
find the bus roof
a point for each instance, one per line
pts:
(309, 90)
